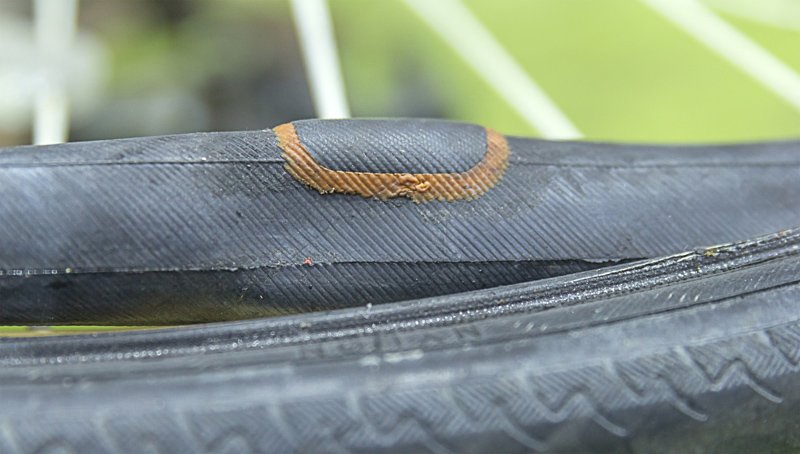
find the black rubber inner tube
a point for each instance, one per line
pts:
(331, 214)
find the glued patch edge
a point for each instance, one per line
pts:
(419, 187)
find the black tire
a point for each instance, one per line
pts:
(212, 227)
(597, 344)
(698, 352)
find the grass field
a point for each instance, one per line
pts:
(618, 69)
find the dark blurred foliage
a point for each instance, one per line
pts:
(182, 65)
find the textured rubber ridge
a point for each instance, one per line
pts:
(393, 146)
(694, 352)
(218, 215)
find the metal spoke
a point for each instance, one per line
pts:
(777, 13)
(470, 39)
(732, 45)
(55, 22)
(315, 31)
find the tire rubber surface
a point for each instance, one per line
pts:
(597, 297)
(212, 227)
(696, 352)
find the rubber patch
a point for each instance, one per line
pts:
(420, 187)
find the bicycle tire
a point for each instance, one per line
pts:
(212, 227)
(694, 352)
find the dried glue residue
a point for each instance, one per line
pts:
(420, 187)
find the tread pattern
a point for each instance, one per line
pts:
(651, 363)
(526, 410)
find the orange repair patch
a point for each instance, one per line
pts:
(420, 187)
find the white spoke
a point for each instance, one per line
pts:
(315, 32)
(468, 37)
(55, 22)
(777, 13)
(734, 46)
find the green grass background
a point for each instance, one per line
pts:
(619, 70)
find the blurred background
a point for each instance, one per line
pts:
(618, 69)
